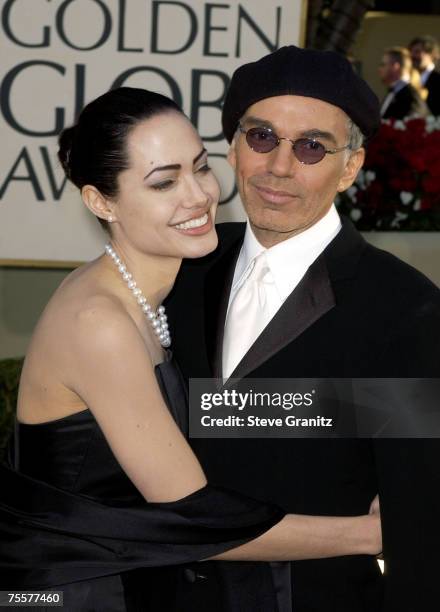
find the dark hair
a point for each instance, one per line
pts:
(94, 151)
(428, 43)
(401, 56)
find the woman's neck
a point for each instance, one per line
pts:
(154, 275)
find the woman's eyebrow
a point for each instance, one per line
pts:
(158, 168)
(175, 166)
(200, 155)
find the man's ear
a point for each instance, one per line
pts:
(99, 205)
(352, 167)
(232, 156)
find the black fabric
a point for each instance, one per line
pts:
(71, 518)
(324, 75)
(385, 322)
(406, 103)
(433, 87)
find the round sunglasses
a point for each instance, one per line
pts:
(306, 150)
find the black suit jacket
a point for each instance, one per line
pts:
(433, 87)
(358, 312)
(406, 103)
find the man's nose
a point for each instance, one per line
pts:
(282, 161)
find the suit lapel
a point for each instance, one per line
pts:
(311, 299)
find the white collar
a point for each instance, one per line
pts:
(424, 76)
(288, 260)
(400, 84)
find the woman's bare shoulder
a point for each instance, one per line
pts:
(103, 318)
(87, 300)
(84, 316)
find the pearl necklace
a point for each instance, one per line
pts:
(157, 319)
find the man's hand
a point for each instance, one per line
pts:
(375, 510)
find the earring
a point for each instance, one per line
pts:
(110, 219)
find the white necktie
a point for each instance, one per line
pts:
(249, 313)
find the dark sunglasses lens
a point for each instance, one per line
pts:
(261, 140)
(308, 151)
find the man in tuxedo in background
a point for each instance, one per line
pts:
(424, 54)
(403, 99)
(297, 293)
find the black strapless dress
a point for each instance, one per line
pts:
(70, 518)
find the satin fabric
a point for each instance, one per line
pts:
(70, 517)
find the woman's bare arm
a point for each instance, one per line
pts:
(310, 537)
(112, 373)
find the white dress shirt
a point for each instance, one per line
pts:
(424, 76)
(396, 87)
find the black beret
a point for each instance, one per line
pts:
(324, 75)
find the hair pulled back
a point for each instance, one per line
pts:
(94, 151)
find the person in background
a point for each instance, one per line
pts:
(403, 98)
(424, 54)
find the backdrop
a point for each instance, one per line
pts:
(57, 55)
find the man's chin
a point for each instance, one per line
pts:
(271, 234)
(274, 226)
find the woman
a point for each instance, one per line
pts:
(95, 437)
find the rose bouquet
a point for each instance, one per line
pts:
(399, 185)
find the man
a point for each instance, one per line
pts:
(424, 54)
(403, 99)
(333, 306)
